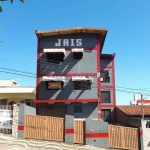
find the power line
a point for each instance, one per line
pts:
(52, 64)
(68, 80)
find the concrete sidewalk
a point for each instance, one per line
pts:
(7, 142)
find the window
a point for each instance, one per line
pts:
(78, 55)
(105, 96)
(28, 102)
(54, 85)
(78, 109)
(148, 125)
(105, 76)
(55, 57)
(106, 115)
(82, 85)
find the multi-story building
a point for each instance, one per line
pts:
(72, 72)
(138, 100)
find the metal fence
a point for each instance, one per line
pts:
(6, 115)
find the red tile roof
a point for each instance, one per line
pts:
(134, 110)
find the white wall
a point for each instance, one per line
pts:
(146, 134)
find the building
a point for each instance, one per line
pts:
(71, 71)
(11, 92)
(138, 100)
(131, 115)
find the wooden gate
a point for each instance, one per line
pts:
(79, 131)
(55, 129)
(44, 127)
(123, 137)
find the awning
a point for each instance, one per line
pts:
(53, 78)
(74, 50)
(54, 50)
(80, 78)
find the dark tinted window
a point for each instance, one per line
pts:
(105, 76)
(82, 85)
(106, 115)
(55, 57)
(78, 109)
(105, 96)
(78, 55)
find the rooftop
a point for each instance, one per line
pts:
(134, 110)
(100, 31)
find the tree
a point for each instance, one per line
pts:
(11, 1)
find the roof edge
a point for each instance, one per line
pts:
(71, 30)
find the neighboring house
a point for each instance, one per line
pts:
(12, 93)
(9, 83)
(71, 69)
(131, 115)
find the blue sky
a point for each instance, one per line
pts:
(128, 24)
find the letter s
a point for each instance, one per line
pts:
(78, 42)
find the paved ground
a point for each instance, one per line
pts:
(7, 142)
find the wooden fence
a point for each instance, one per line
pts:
(79, 131)
(123, 137)
(44, 127)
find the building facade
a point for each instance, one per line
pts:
(138, 100)
(72, 73)
(11, 92)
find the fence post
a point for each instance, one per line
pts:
(141, 138)
(15, 121)
(96, 133)
(69, 128)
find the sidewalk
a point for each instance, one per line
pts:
(7, 142)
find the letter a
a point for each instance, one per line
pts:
(65, 42)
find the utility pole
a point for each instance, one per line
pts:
(142, 107)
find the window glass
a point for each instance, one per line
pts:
(82, 85)
(105, 96)
(106, 115)
(78, 55)
(78, 109)
(105, 76)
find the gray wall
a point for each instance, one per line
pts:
(95, 126)
(70, 65)
(88, 40)
(68, 91)
(105, 62)
(89, 110)
(69, 124)
(25, 110)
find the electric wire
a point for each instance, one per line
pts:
(119, 90)
(35, 77)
